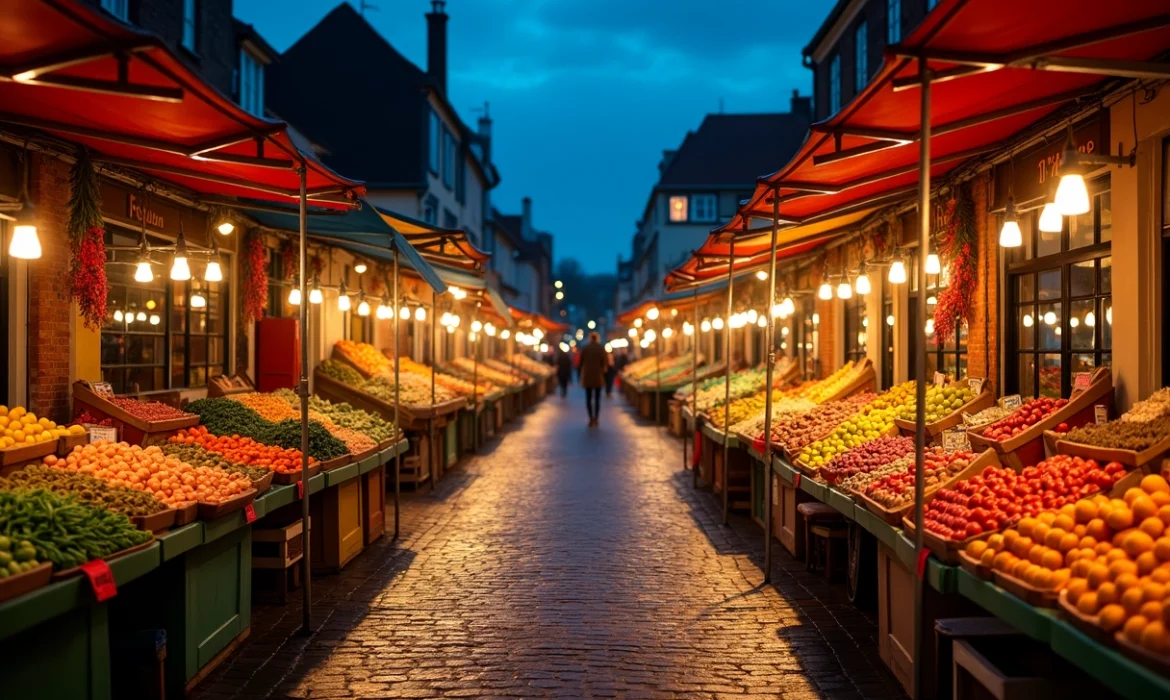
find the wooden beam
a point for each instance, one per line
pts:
(106, 87)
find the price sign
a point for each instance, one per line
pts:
(1082, 380)
(1012, 402)
(1101, 413)
(976, 385)
(758, 444)
(775, 491)
(940, 379)
(956, 441)
(300, 489)
(97, 433)
(796, 480)
(923, 557)
(103, 389)
(250, 512)
(101, 579)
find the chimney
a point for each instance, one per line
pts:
(526, 219)
(485, 133)
(801, 105)
(437, 44)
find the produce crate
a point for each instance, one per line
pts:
(864, 379)
(982, 400)
(337, 534)
(26, 582)
(132, 429)
(896, 616)
(19, 455)
(1106, 454)
(275, 553)
(373, 505)
(987, 458)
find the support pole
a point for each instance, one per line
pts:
(727, 376)
(694, 381)
(920, 360)
(657, 366)
(303, 391)
(431, 420)
(397, 390)
(770, 355)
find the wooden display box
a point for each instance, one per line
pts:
(985, 399)
(788, 524)
(337, 535)
(896, 616)
(1011, 668)
(132, 429)
(675, 421)
(223, 385)
(373, 505)
(864, 379)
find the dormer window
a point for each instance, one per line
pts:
(251, 84)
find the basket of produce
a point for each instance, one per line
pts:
(212, 510)
(186, 513)
(857, 379)
(238, 454)
(1138, 437)
(1151, 649)
(21, 579)
(945, 406)
(24, 436)
(1091, 626)
(229, 416)
(362, 357)
(198, 456)
(866, 458)
(873, 420)
(146, 416)
(77, 436)
(974, 566)
(797, 432)
(973, 508)
(263, 483)
(144, 510)
(888, 492)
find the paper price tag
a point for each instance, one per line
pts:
(1082, 380)
(103, 389)
(1012, 402)
(758, 444)
(97, 433)
(300, 489)
(976, 385)
(956, 441)
(101, 579)
(940, 379)
(796, 480)
(775, 491)
(250, 513)
(923, 557)
(1101, 413)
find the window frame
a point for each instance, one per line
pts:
(936, 355)
(835, 84)
(861, 56)
(251, 100)
(117, 8)
(856, 321)
(434, 143)
(670, 208)
(430, 213)
(449, 157)
(189, 27)
(693, 211)
(894, 21)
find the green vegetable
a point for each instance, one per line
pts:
(341, 372)
(227, 417)
(62, 530)
(198, 456)
(89, 490)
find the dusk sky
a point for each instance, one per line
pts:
(586, 94)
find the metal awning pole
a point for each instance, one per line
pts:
(431, 420)
(920, 367)
(303, 391)
(657, 367)
(770, 342)
(694, 380)
(397, 391)
(727, 377)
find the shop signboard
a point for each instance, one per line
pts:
(1031, 177)
(131, 208)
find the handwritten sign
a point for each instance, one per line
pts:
(103, 389)
(1012, 402)
(97, 433)
(940, 379)
(250, 512)
(956, 441)
(101, 579)
(976, 385)
(1082, 380)
(1101, 413)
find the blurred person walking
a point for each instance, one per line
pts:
(593, 364)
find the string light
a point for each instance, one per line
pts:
(789, 307)
(505, 334)
(761, 275)
(897, 270)
(761, 322)
(180, 270)
(363, 305)
(476, 326)
(752, 315)
(717, 324)
(825, 293)
(225, 228)
(667, 332)
(198, 301)
(633, 333)
(1050, 220)
(294, 294)
(637, 323)
(315, 295)
(652, 314)
(1072, 198)
(1010, 235)
(490, 330)
(213, 273)
(705, 326)
(688, 329)
(844, 289)
(420, 314)
(360, 267)
(404, 313)
(861, 284)
(933, 264)
(143, 272)
(343, 302)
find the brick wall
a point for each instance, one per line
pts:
(828, 336)
(983, 329)
(49, 312)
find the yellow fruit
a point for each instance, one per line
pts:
(1022, 546)
(1143, 507)
(1059, 578)
(1097, 529)
(1154, 483)
(1131, 600)
(1025, 526)
(1087, 603)
(1164, 514)
(1151, 610)
(1002, 561)
(1020, 568)
(1115, 555)
(1146, 563)
(1068, 542)
(1053, 538)
(1107, 593)
(1087, 542)
(1084, 511)
(1137, 542)
(1152, 526)
(1153, 592)
(1039, 531)
(1160, 575)
(1080, 567)
(988, 557)
(1111, 617)
(1063, 522)
(3, 410)
(1047, 517)
(18, 435)
(1036, 554)
(1154, 637)
(16, 413)
(1009, 539)
(1134, 627)
(995, 542)
(1122, 566)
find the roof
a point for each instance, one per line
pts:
(826, 26)
(439, 245)
(247, 32)
(512, 225)
(731, 150)
(157, 117)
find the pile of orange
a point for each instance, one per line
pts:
(148, 469)
(275, 409)
(242, 450)
(363, 356)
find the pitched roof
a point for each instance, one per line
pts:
(826, 26)
(373, 124)
(511, 225)
(732, 150)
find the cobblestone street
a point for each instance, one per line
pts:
(564, 561)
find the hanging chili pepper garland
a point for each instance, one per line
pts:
(291, 257)
(87, 249)
(957, 245)
(255, 278)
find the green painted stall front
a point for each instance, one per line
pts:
(69, 658)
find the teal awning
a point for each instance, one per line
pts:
(362, 231)
(471, 281)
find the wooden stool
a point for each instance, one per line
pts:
(824, 530)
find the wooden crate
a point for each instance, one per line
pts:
(275, 553)
(789, 526)
(336, 535)
(896, 616)
(373, 505)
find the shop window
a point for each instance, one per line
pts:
(704, 208)
(190, 10)
(678, 208)
(856, 328)
(894, 20)
(860, 57)
(887, 322)
(450, 154)
(808, 328)
(434, 133)
(1060, 288)
(198, 330)
(835, 85)
(950, 357)
(251, 84)
(277, 285)
(118, 8)
(431, 210)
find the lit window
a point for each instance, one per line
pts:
(433, 151)
(860, 58)
(894, 19)
(703, 208)
(189, 24)
(117, 8)
(835, 85)
(251, 84)
(678, 208)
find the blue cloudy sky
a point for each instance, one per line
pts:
(585, 94)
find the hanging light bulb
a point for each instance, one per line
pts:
(476, 326)
(717, 324)
(844, 289)
(688, 329)
(816, 319)
(198, 301)
(777, 310)
(1050, 318)
(1010, 235)
(667, 332)
(825, 292)
(930, 326)
(752, 315)
(633, 333)
(1027, 320)
(490, 330)
(315, 295)
(789, 307)
(861, 284)
(761, 275)
(343, 302)
(761, 322)
(225, 227)
(705, 326)
(382, 312)
(118, 316)
(213, 273)
(360, 267)
(933, 264)
(294, 296)
(1072, 198)
(140, 316)
(1074, 322)
(404, 312)
(25, 244)
(143, 271)
(652, 314)
(538, 333)
(363, 305)
(455, 320)
(155, 320)
(505, 334)
(890, 320)
(1090, 319)
(897, 270)
(637, 323)
(1050, 220)
(420, 314)
(180, 270)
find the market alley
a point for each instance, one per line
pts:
(564, 561)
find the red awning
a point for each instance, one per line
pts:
(528, 319)
(711, 262)
(999, 66)
(70, 70)
(439, 245)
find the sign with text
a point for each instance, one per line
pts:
(1082, 381)
(97, 433)
(1031, 177)
(956, 441)
(101, 579)
(1101, 413)
(1012, 402)
(976, 385)
(940, 379)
